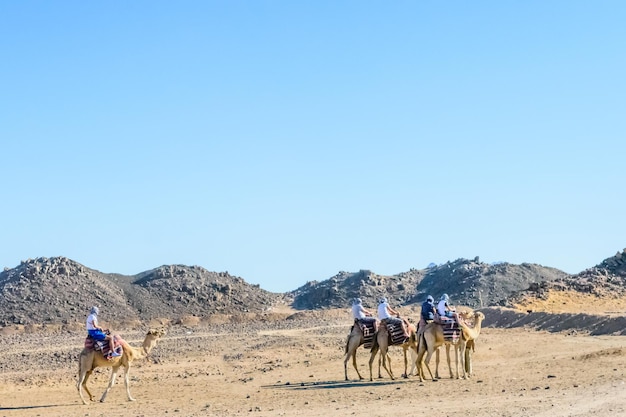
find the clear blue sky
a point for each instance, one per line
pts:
(284, 141)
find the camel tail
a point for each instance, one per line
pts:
(421, 340)
(374, 345)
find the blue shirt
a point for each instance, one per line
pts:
(428, 312)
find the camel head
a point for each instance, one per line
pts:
(151, 339)
(157, 332)
(470, 333)
(479, 317)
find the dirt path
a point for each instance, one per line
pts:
(297, 370)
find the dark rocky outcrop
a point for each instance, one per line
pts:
(59, 290)
(605, 280)
(339, 290)
(467, 282)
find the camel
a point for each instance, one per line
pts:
(354, 340)
(381, 342)
(432, 338)
(470, 334)
(90, 360)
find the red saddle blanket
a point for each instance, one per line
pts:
(103, 345)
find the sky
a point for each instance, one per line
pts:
(285, 141)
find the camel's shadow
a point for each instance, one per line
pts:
(337, 384)
(35, 407)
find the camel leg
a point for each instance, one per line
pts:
(462, 353)
(419, 362)
(406, 360)
(468, 362)
(449, 362)
(82, 385)
(426, 362)
(351, 349)
(127, 384)
(419, 369)
(111, 382)
(389, 362)
(351, 352)
(91, 396)
(346, 358)
(406, 363)
(437, 360)
(372, 356)
(413, 362)
(386, 358)
(380, 363)
(456, 360)
(345, 365)
(355, 366)
(461, 356)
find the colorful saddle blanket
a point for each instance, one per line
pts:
(395, 330)
(368, 327)
(451, 332)
(102, 346)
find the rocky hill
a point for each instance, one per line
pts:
(605, 282)
(56, 290)
(337, 291)
(59, 290)
(467, 282)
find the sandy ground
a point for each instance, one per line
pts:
(295, 368)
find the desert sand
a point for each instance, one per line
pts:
(294, 367)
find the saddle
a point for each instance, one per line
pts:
(102, 346)
(451, 329)
(395, 330)
(451, 332)
(368, 327)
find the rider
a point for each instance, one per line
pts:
(428, 309)
(445, 310)
(385, 312)
(358, 311)
(97, 333)
(361, 314)
(428, 312)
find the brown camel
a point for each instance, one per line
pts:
(470, 334)
(381, 342)
(90, 360)
(354, 340)
(432, 338)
